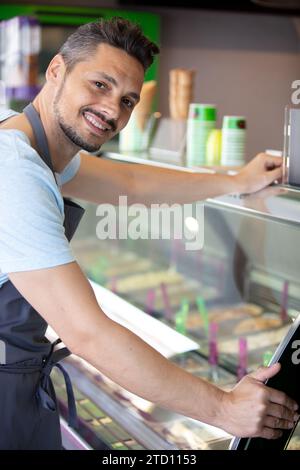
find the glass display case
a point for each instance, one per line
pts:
(218, 312)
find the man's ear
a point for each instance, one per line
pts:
(56, 70)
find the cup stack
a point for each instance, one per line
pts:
(201, 121)
(233, 140)
(181, 92)
(135, 136)
(143, 110)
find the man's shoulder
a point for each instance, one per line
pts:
(22, 169)
(16, 151)
(13, 142)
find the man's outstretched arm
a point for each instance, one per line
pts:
(65, 299)
(102, 181)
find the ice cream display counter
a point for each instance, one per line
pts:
(219, 312)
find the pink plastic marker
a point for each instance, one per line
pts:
(150, 301)
(243, 359)
(203, 313)
(213, 351)
(166, 301)
(113, 284)
(284, 302)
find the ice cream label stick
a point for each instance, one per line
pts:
(102, 266)
(97, 270)
(243, 359)
(166, 301)
(180, 322)
(267, 356)
(181, 316)
(284, 302)
(150, 301)
(213, 351)
(203, 312)
(102, 263)
(113, 284)
(185, 306)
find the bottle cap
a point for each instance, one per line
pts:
(202, 112)
(234, 122)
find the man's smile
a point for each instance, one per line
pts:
(96, 124)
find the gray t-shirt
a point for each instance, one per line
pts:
(31, 207)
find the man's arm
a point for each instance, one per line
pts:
(99, 180)
(64, 298)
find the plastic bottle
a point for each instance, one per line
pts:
(233, 140)
(201, 121)
(214, 147)
(21, 41)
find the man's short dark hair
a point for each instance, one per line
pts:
(117, 32)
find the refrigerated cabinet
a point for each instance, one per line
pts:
(245, 281)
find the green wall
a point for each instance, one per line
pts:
(75, 16)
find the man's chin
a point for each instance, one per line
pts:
(91, 149)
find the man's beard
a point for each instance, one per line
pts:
(75, 138)
(69, 131)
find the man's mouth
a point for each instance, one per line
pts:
(96, 123)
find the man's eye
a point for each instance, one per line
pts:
(100, 85)
(128, 103)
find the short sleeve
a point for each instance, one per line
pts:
(31, 219)
(70, 170)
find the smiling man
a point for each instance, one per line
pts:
(92, 86)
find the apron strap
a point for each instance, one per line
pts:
(39, 134)
(43, 393)
(72, 413)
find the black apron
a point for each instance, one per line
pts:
(29, 417)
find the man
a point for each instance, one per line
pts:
(92, 86)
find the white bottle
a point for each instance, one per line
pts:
(233, 140)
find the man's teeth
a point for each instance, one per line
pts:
(94, 122)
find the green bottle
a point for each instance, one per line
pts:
(201, 121)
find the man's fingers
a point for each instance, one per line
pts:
(274, 175)
(264, 373)
(282, 412)
(278, 423)
(281, 398)
(269, 433)
(272, 162)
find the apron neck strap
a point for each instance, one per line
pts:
(39, 134)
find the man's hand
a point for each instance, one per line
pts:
(251, 409)
(263, 170)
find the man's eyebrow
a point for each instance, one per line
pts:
(134, 95)
(109, 78)
(114, 82)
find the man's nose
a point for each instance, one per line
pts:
(111, 108)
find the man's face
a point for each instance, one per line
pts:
(95, 100)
